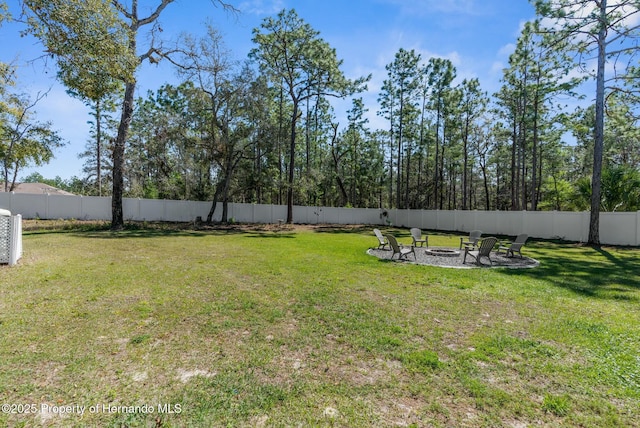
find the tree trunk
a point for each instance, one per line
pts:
(436, 183)
(292, 159)
(280, 142)
(117, 216)
(399, 162)
(99, 147)
(514, 180)
(534, 151)
(596, 190)
(212, 210)
(408, 176)
(465, 168)
(336, 162)
(486, 188)
(14, 178)
(229, 168)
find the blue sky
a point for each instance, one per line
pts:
(476, 35)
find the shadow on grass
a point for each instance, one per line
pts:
(150, 233)
(276, 235)
(135, 230)
(103, 230)
(341, 229)
(153, 230)
(588, 271)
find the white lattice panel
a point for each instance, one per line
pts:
(5, 238)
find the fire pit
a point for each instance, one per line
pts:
(442, 252)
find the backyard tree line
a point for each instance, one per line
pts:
(265, 130)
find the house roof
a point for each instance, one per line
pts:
(37, 189)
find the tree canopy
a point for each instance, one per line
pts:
(298, 62)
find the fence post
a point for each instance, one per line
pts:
(15, 246)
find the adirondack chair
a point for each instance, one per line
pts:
(484, 250)
(416, 234)
(399, 249)
(515, 246)
(474, 237)
(382, 241)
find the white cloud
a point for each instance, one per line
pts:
(261, 7)
(506, 50)
(497, 67)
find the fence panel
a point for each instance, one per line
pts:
(367, 216)
(399, 218)
(569, 226)
(489, 222)
(242, 213)
(538, 225)
(143, 209)
(279, 213)
(511, 222)
(262, 213)
(64, 206)
(348, 216)
(466, 221)
(325, 215)
(5, 200)
(430, 219)
(446, 220)
(181, 211)
(94, 208)
(619, 228)
(29, 206)
(265, 213)
(414, 218)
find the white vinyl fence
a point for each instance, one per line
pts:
(615, 228)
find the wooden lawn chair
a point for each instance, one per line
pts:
(382, 241)
(416, 234)
(515, 246)
(400, 249)
(484, 250)
(474, 237)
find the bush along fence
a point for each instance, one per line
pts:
(615, 228)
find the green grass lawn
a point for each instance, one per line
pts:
(236, 327)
